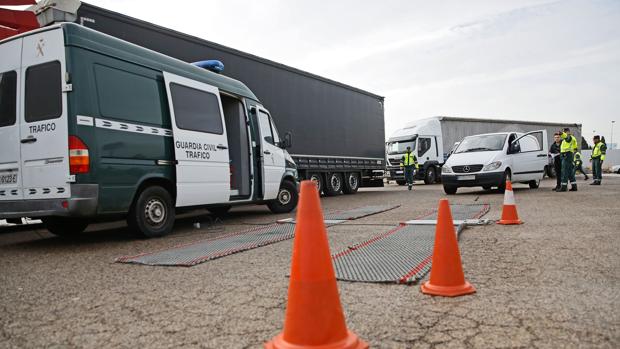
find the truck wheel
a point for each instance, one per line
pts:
(430, 177)
(334, 184)
(64, 226)
(219, 210)
(401, 182)
(318, 180)
(449, 189)
(351, 183)
(287, 198)
(486, 187)
(506, 177)
(152, 214)
(534, 184)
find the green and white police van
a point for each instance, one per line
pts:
(95, 128)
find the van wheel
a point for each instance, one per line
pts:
(486, 187)
(534, 184)
(219, 210)
(351, 183)
(318, 180)
(334, 184)
(449, 189)
(152, 214)
(506, 177)
(286, 200)
(430, 177)
(64, 226)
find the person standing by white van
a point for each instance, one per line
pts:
(567, 151)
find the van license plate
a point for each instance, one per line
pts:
(467, 178)
(10, 178)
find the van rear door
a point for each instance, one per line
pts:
(10, 174)
(43, 123)
(200, 142)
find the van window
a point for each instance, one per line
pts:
(265, 128)
(43, 98)
(529, 143)
(128, 96)
(424, 144)
(8, 96)
(196, 110)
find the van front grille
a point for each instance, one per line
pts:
(466, 168)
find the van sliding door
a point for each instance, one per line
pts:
(200, 142)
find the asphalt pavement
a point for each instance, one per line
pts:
(553, 282)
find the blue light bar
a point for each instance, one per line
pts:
(211, 64)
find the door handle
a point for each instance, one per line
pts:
(28, 140)
(221, 146)
(267, 152)
(542, 155)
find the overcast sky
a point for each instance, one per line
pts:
(523, 59)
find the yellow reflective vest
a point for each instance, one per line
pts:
(598, 151)
(409, 160)
(568, 144)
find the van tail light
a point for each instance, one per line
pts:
(79, 162)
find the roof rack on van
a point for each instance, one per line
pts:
(44, 13)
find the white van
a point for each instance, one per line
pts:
(488, 160)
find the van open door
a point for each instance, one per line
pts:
(200, 142)
(272, 155)
(530, 155)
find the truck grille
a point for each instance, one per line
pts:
(466, 168)
(394, 161)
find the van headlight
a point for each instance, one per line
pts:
(446, 169)
(492, 166)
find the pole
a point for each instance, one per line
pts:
(611, 142)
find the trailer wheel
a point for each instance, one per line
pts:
(152, 214)
(431, 175)
(318, 180)
(351, 183)
(287, 198)
(64, 226)
(334, 184)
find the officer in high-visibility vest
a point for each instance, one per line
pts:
(410, 163)
(578, 162)
(567, 151)
(597, 158)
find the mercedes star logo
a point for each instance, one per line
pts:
(466, 168)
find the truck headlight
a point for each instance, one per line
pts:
(492, 166)
(446, 169)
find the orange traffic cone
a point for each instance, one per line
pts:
(314, 317)
(447, 278)
(509, 211)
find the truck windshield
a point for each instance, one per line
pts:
(400, 147)
(481, 143)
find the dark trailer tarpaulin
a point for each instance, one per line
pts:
(326, 118)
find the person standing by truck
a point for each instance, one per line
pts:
(597, 158)
(567, 151)
(410, 163)
(554, 150)
(579, 165)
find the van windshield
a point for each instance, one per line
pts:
(481, 143)
(400, 147)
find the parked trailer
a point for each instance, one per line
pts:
(433, 139)
(338, 130)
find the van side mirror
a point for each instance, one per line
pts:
(287, 142)
(513, 148)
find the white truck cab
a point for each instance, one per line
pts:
(424, 138)
(488, 160)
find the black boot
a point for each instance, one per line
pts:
(585, 179)
(573, 187)
(593, 183)
(556, 189)
(563, 188)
